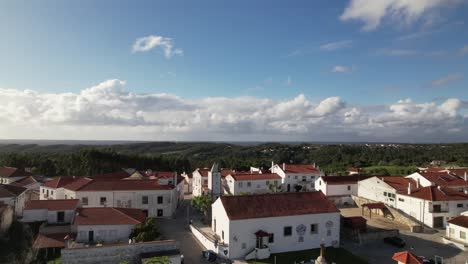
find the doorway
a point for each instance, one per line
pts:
(91, 236)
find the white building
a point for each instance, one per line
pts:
(50, 211)
(188, 182)
(14, 196)
(105, 224)
(251, 183)
(257, 225)
(157, 198)
(445, 179)
(207, 182)
(9, 175)
(339, 188)
(384, 189)
(303, 175)
(457, 229)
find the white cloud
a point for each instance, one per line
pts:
(336, 45)
(341, 69)
(464, 51)
(452, 77)
(372, 12)
(108, 111)
(152, 41)
(396, 52)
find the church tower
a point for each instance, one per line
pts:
(214, 181)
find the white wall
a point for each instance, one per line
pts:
(198, 182)
(374, 189)
(256, 186)
(106, 233)
(38, 215)
(454, 232)
(10, 179)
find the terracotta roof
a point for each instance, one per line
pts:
(444, 179)
(108, 216)
(226, 172)
(433, 169)
(438, 193)
(25, 181)
(203, 172)
(337, 180)
(300, 168)
(461, 220)
(459, 172)
(112, 175)
(9, 172)
(78, 183)
(52, 205)
(61, 181)
(124, 185)
(8, 190)
(256, 176)
(407, 258)
(399, 183)
(276, 205)
(56, 240)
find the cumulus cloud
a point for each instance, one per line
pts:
(372, 12)
(341, 69)
(108, 111)
(152, 41)
(336, 45)
(452, 77)
(396, 52)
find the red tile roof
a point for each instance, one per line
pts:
(226, 172)
(9, 172)
(25, 181)
(8, 190)
(112, 175)
(256, 176)
(399, 183)
(461, 220)
(52, 205)
(337, 180)
(438, 193)
(407, 258)
(203, 172)
(61, 181)
(108, 216)
(459, 172)
(300, 168)
(56, 240)
(276, 205)
(444, 179)
(124, 185)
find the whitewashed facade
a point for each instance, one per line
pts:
(297, 174)
(457, 229)
(251, 183)
(207, 182)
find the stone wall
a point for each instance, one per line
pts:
(116, 253)
(398, 215)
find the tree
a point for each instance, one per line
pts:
(146, 231)
(202, 203)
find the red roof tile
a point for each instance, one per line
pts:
(256, 176)
(459, 172)
(300, 168)
(276, 205)
(25, 181)
(407, 258)
(52, 205)
(337, 180)
(112, 175)
(9, 172)
(203, 172)
(61, 181)
(124, 185)
(108, 216)
(8, 190)
(56, 240)
(226, 172)
(444, 179)
(438, 193)
(461, 220)
(399, 183)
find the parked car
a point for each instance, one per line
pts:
(395, 241)
(209, 255)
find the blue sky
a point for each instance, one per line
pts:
(263, 49)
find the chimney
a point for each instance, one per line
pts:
(465, 191)
(313, 164)
(417, 184)
(409, 188)
(466, 177)
(284, 166)
(439, 188)
(272, 164)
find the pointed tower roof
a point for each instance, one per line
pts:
(214, 168)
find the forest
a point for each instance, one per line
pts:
(333, 159)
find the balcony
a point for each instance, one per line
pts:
(436, 210)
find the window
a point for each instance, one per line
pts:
(459, 205)
(160, 199)
(43, 190)
(462, 235)
(160, 212)
(384, 193)
(51, 192)
(328, 232)
(222, 235)
(65, 196)
(205, 182)
(304, 178)
(295, 177)
(349, 188)
(267, 183)
(275, 182)
(249, 184)
(103, 200)
(244, 246)
(271, 238)
(241, 184)
(287, 231)
(401, 199)
(84, 200)
(144, 199)
(60, 217)
(314, 228)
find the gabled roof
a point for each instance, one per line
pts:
(56, 240)
(399, 183)
(108, 216)
(438, 193)
(337, 180)
(203, 172)
(407, 258)
(52, 205)
(444, 179)
(226, 172)
(300, 168)
(9, 190)
(460, 172)
(461, 220)
(276, 205)
(124, 185)
(10, 172)
(255, 176)
(61, 181)
(112, 175)
(25, 181)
